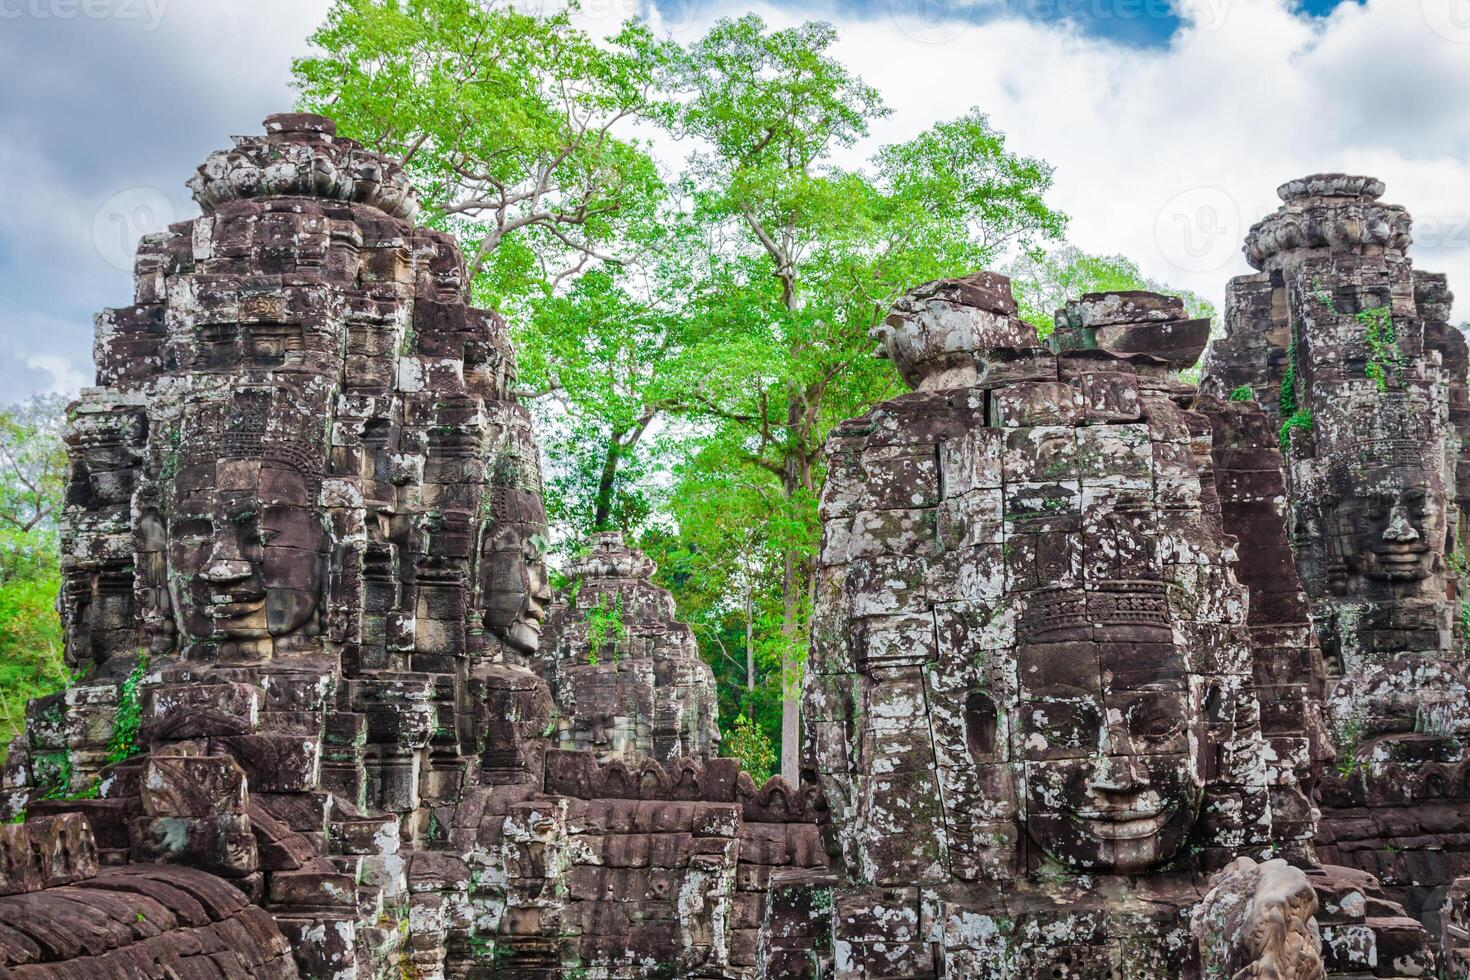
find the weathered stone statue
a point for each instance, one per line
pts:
(1035, 705)
(1349, 350)
(625, 674)
(304, 578)
(1268, 909)
(303, 488)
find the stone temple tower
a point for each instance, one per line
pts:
(626, 675)
(301, 553)
(1348, 348)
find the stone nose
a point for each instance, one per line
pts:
(1117, 770)
(1116, 774)
(1399, 530)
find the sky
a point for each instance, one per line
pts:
(1170, 122)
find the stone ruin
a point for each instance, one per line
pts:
(1044, 701)
(625, 674)
(303, 578)
(1065, 716)
(302, 552)
(1349, 351)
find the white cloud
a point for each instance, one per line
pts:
(1165, 154)
(1170, 154)
(116, 114)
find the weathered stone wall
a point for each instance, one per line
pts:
(1062, 665)
(303, 489)
(303, 573)
(1051, 689)
(59, 912)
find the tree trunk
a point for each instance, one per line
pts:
(601, 519)
(749, 637)
(793, 588)
(791, 668)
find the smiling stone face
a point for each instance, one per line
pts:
(1386, 522)
(1110, 733)
(245, 549)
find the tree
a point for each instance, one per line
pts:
(32, 478)
(32, 463)
(715, 553)
(593, 359)
(813, 256)
(508, 122)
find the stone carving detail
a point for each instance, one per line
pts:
(304, 575)
(304, 487)
(147, 922)
(1062, 666)
(626, 676)
(1039, 680)
(1257, 921)
(1349, 350)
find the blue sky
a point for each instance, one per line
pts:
(1155, 120)
(1145, 23)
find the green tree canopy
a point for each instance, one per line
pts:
(32, 477)
(511, 125)
(1043, 282)
(812, 255)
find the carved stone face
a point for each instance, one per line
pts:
(605, 704)
(1110, 741)
(1387, 523)
(245, 551)
(515, 585)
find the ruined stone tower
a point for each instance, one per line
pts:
(625, 674)
(1348, 348)
(301, 553)
(1044, 700)
(304, 578)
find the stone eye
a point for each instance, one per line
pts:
(1155, 719)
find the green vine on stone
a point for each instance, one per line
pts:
(129, 718)
(604, 626)
(1243, 394)
(1383, 346)
(1292, 416)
